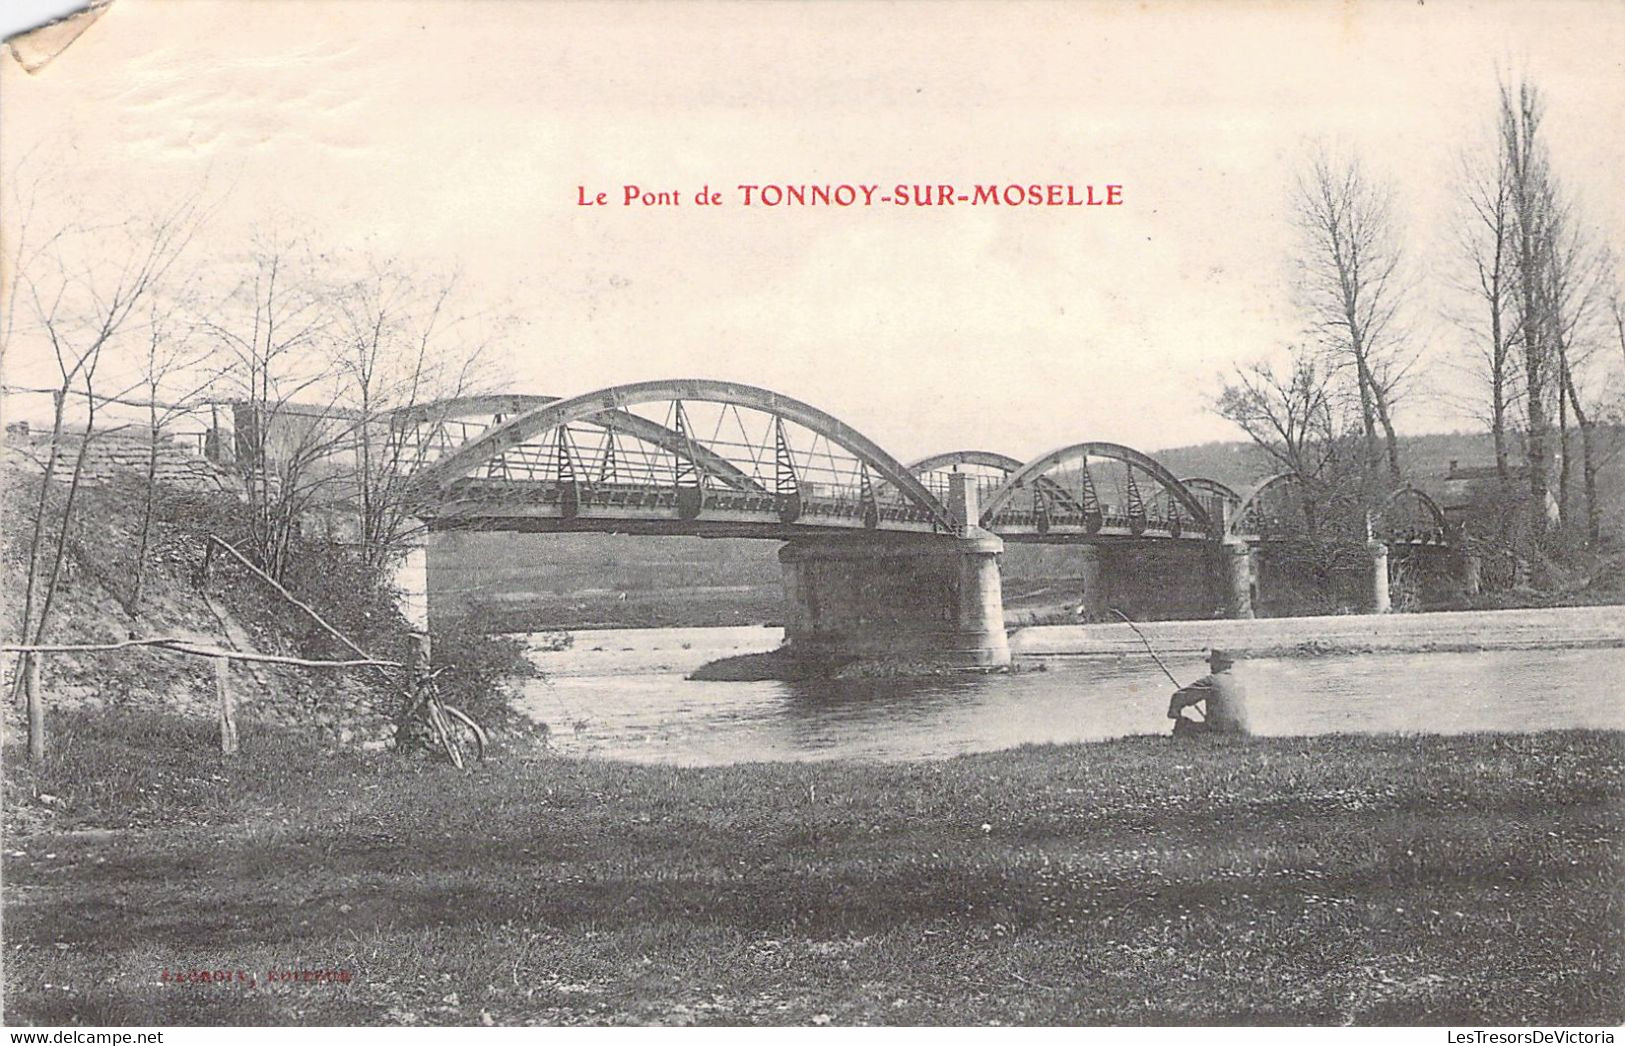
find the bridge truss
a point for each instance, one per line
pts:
(719, 458)
(692, 456)
(1097, 490)
(1280, 509)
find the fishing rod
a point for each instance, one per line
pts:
(1148, 648)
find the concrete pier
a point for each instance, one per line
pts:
(938, 601)
(931, 599)
(1380, 601)
(1236, 568)
(1094, 584)
(1472, 574)
(411, 579)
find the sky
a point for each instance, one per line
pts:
(462, 134)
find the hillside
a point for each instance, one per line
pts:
(1425, 460)
(229, 610)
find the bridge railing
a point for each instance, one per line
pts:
(1106, 521)
(589, 499)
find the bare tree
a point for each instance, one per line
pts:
(82, 288)
(1295, 419)
(328, 377)
(1485, 242)
(271, 330)
(1560, 288)
(1574, 283)
(1349, 273)
(1616, 306)
(172, 380)
(1524, 154)
(84, 294)
(403, 352)
(24, 252)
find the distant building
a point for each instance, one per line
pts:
(123, 451)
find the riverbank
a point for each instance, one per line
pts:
(1375, 880)
(1447, 631)
(1566, 628)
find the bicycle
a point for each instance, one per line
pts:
(449, 726)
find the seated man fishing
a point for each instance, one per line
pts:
(1221, 695)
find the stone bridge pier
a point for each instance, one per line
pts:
(932, 599)
(410, 576)
(1166, 580)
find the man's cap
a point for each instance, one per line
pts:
(1217, 657)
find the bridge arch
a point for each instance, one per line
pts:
(1203, 485)
(1036, 469)
(948, 459)
(652, 432)
(463, 406)
(1409, 494)
(995, 469)
(437, 478)
(1254, 499)
(1248, 521)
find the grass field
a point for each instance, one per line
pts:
(1381, 880)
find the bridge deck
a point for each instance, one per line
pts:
(649, 509)
(625, 508)
(1066, 527)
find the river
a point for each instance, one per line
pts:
(621, 694)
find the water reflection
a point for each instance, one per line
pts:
(635, 704)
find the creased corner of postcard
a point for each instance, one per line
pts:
(35, 48)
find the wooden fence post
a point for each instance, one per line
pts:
(36, 708)
(228, 706)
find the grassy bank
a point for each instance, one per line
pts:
(1375, 880)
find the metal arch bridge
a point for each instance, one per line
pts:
(715, 458)
(1275, 509)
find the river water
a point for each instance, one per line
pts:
(621, 694)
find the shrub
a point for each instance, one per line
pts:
(481, 669)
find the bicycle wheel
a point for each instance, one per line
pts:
(470, 733)
(444, 733)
